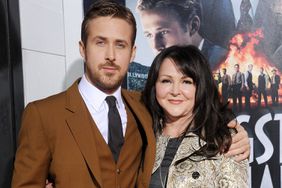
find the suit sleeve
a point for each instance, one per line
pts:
(33, 153)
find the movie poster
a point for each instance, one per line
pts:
(242, 40)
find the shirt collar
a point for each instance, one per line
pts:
(201, 44)
(94, 96)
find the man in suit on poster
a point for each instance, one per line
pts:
(262, 85)
(164, 24)
(248, 87)
(237, 88)
(274, 87)
(226, 84)
(177, 22)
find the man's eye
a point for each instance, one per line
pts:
(100, 43)
(120, 45)
(148, 35)
(164, 32)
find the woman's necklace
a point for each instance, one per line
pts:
(163, 183)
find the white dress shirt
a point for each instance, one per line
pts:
(246, 78)
(201, 44)
(98, 107)
(236, 9)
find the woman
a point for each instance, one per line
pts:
(190, 123)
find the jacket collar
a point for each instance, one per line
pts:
(80, 127)
(188, 146)
(79, 124)
(133, 101)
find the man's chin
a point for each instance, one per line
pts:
(109, 86)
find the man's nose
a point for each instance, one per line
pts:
(110, 53)
(158, 43)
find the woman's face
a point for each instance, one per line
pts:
(175, 92)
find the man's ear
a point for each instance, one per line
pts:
(194, 25)
(82, 50)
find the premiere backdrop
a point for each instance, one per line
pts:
(228, 32)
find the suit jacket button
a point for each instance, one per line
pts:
(195, 175)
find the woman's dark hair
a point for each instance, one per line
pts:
(211, 116)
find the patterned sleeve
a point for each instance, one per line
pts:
(232, 174)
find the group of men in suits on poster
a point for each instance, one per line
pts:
(242, 84)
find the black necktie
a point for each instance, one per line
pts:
(115, 135)
(245, 22)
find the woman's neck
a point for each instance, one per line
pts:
(175, 128)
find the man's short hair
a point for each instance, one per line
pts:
(104, 8)
(182, 10)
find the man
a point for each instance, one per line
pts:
(237, 87)
(262, 85)
(176, 22)
(226, 83)
(66, 137)
(217, 78)
(164, 24)
(274, 86)
(248, 86)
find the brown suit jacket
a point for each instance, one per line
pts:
(56, 138)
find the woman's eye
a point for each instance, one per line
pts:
(165, 81)
(188, 82)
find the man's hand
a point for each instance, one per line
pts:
(240, 147)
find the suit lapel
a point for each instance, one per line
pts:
(162, 142)
(80, 127)
(187, 147)
(261, 12)
(133, 101)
